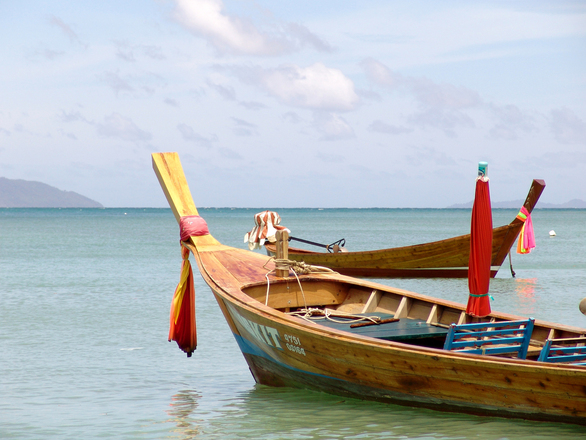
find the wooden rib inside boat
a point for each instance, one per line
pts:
(324, 331)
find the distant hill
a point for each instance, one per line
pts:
(29, 194)
(574, 203)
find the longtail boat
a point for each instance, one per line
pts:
(443, 259)
(310, 327)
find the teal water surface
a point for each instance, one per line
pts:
(84, 320)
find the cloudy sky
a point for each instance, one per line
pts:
(295, 103)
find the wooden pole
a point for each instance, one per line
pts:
(282, 253)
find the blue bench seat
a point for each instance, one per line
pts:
(492, 338)
(563, 353)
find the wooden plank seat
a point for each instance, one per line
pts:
(494, 338)
(555, 350)
(399, 330)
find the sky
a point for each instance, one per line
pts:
(295, 103)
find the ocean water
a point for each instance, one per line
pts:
(84, 306)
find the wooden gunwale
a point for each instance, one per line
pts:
(284, 350)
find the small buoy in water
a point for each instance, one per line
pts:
(583, 306)
(552, 233)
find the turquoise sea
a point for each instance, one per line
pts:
(84, 309)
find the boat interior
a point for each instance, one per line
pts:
(399, 316)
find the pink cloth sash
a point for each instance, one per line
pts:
(192, 226)
(526, 240)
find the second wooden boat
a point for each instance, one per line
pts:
(444, 259)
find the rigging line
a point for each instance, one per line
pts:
(307, 313)
(294, 273)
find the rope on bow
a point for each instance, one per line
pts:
(315, 314)
(298, 267)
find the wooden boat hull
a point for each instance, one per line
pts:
(409, 368)
(281, 352)
(443, 259)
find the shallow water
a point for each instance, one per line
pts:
(84, 321)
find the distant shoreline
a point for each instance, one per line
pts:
(17, 193)
(572, 204)
(552, 208)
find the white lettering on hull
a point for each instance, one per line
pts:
(261, 333)
(268, 335)
(294, 344)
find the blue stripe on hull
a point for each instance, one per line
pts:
(250, 349)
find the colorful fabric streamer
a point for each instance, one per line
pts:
(182, 328)
(526, 240)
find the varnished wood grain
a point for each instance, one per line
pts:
(169, 171)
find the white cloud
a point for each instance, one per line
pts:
(567, 127)
(128, 52)
(170, 101)
(330, 158)
(227, 153)
(448, 108)
(315, 87)
(227, 34)
(445, 96)
(498, 81)
(121, 127)
(48, 54)
(252, 105)
(441, 106)
(244, 128)
(420, 155)
(380, 74)
(190, 135)
(427, 93)
(421, 34)
(509, 121)
(231, 34)
(382, 127)
(333, 127)
(563, 160)
(72, 116)
(307, 38)
(124, 51)
(441, 118)
(292, 117)
(115, 82)
(67, 30)
(225, 92)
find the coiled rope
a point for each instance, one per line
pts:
(312, 314)
(298, 267)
